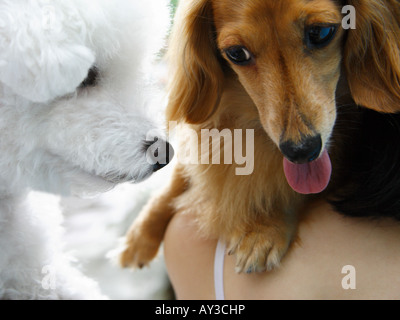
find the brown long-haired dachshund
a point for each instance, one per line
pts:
(280, 68)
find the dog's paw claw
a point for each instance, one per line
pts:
(259, 251)
(140, 249)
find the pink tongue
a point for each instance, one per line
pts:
(309, 178)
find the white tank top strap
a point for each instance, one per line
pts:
(219, 271)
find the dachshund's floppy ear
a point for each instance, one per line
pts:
(42, 50)
(195, 88)
(372, 55)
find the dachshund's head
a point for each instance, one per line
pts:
(289, 56)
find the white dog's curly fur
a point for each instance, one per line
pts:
(74, 91)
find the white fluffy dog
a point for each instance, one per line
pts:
(74, 88)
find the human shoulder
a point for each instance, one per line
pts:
(189, 258)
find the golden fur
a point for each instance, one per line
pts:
(288, 93)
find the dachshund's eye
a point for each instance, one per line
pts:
(239, 55)
(320, 36)
(91, 79)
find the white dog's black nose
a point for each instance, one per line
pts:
(306, 151)
(159, 153)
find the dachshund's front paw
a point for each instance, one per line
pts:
(260, 250)
(141, 247)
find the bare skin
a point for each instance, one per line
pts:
(312, 269)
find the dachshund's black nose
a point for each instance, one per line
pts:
(305, 151)
(160, 153)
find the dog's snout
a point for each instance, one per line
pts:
(306, 151)
(159, 154)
